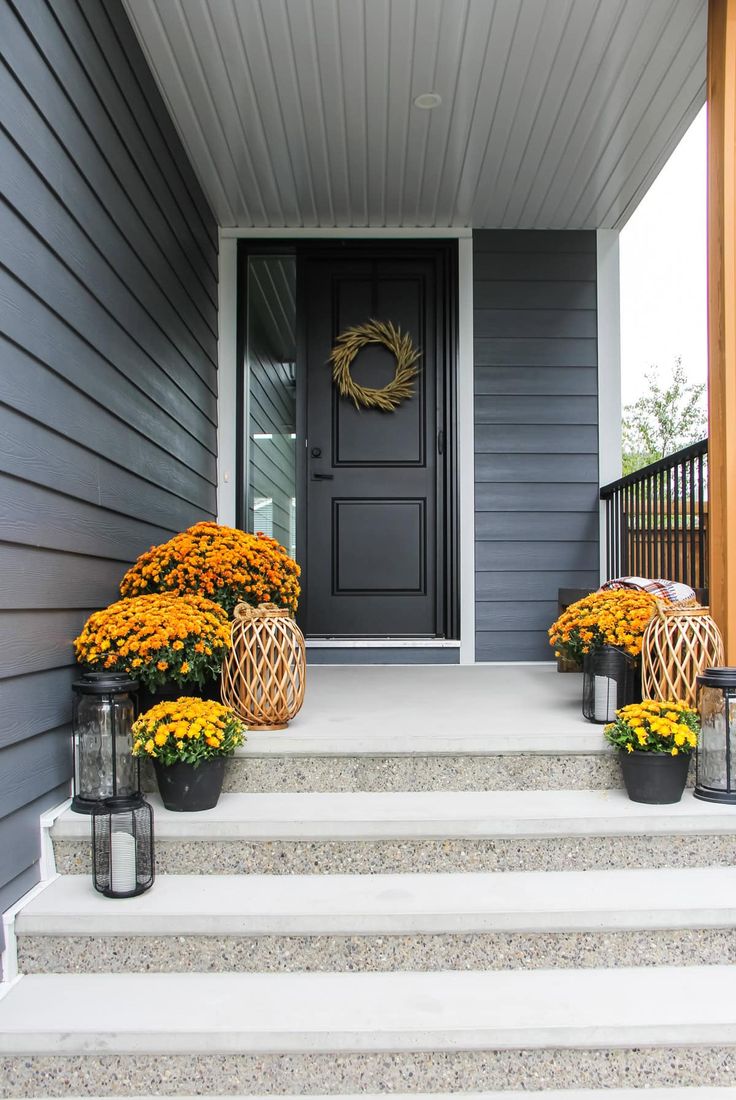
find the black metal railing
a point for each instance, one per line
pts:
(657, 519)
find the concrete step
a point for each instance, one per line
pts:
(425, 831)
(300, 1033)
(423, 768)
(483, 727)
(385, 922)
(694, 1093)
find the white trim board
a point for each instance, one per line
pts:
(47, 870)
(227, 374)
(466, 448)
(609, 369)
(227, 390)
(385, 232)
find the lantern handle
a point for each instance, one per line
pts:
(248, 611)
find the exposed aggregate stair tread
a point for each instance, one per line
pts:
(428, 814)
(393, 904)
(368, 1012)
(694, 1093)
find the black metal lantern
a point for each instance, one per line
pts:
(122, 847)
(610, 681)
(104, 712)
(715, 756)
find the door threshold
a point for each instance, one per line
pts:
(382, 643)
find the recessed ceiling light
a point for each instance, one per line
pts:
(427, 100)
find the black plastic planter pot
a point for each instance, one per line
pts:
(169, 691)
(656, 778)
(186, 789)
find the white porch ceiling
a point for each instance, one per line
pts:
(555, 114)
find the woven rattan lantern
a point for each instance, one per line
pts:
(679, 643)
(264, 673)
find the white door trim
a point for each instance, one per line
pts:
(227, 389)
(227, 374)
(466, 448)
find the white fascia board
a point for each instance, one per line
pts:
(609, 368)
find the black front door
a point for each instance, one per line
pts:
(374, 501)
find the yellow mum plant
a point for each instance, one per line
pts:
(222, 563)
(651, 726)
(187, 730)
(157, 638)
(617, 618)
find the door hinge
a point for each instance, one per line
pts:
(440, 442)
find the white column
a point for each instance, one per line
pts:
(609, 369)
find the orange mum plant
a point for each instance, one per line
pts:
(157, 638)
(222, 563)
(616, 617)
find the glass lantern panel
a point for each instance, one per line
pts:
(712, 746)
(95, 719)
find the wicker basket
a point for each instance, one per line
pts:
(264, 672)
(679, 643)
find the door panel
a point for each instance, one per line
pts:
(374, 508)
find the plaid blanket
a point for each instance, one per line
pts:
(673, 591)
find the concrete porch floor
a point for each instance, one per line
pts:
(445, 709)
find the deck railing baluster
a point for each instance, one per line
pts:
(657, 519)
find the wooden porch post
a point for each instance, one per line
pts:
(722, 315)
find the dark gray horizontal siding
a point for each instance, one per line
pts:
(554, 410)
(503, 496)
(534, 352)
(530, 584)
(536, 526)
(529, 381)
(535, 469)
(45, 61)
(542, 439)
(19, 841)
(48, 579)
(569, 294)
(536, 434)
(50, 704)
(108, 372)
(494, 261)
(535, 556)
(38, 764)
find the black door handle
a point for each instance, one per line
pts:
(323, 477)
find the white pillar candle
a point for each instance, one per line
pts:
(604, 705)
(123, 878)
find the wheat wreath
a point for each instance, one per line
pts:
(347, 346)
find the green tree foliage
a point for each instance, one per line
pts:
(670, 416)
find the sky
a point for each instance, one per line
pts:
(663, 270)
